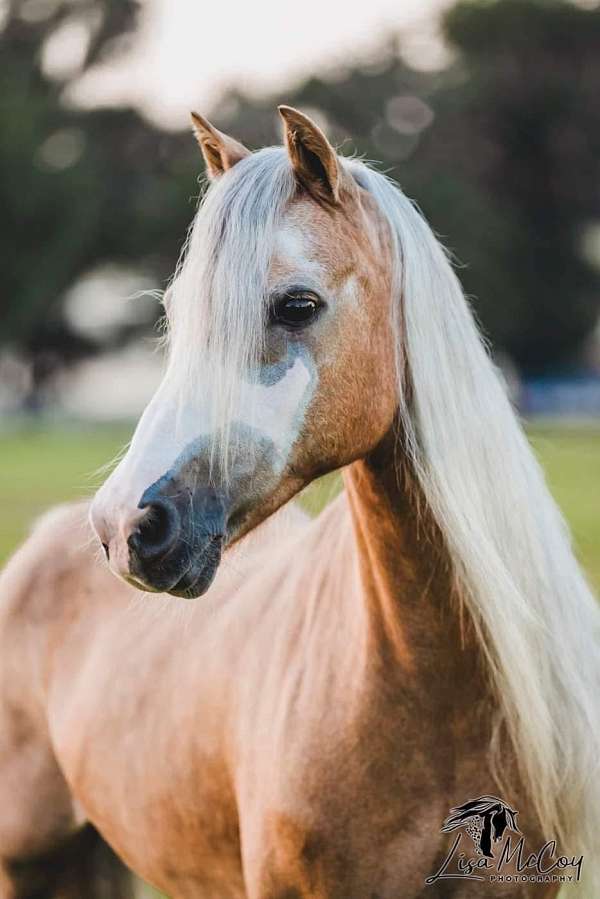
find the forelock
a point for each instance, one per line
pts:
(218, 294)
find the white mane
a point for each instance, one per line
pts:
(217, 299)
(536, 618)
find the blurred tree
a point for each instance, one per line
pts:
(80, 187)
(531, 121)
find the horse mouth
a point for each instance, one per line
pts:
(201, 573)
(181, 574)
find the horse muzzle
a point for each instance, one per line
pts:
(170, 543)
(175, 547)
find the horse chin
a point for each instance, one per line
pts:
(198, 578)
(193, 581)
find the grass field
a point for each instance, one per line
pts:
(41, 466)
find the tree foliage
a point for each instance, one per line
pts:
(501, 150)
(80, 187)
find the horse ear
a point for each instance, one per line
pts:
(220, 151)
(313, 158)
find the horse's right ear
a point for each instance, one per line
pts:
(220, 151)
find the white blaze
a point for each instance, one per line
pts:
(277, 410)
(274, 411)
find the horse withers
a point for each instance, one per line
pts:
(426, 644)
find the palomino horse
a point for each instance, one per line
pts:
(424, 647)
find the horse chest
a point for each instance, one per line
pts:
(356, 813)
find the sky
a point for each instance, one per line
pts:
(188, 51)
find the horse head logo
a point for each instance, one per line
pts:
(485, 820)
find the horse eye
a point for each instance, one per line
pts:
(295, 310)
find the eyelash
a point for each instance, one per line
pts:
(295, 310)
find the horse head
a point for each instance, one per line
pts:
(278, 321)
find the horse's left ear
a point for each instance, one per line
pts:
(220, 151)
(313, 158)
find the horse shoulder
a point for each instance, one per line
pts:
(36, 583)
(33, 594)
(59, 545)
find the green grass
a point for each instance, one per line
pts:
(571, 459)
(40, 467)
(43, 466)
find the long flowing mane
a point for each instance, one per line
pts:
(536, 619)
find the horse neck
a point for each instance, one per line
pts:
(416, 623)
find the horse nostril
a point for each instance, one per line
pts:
(156, 532)
(106, 550)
